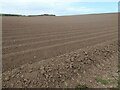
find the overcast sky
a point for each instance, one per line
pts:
(58, 7)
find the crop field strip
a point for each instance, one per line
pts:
(23, 44)
(36, 35)
(113, 35)
(40, 38)
(33, 55)
(32, 36)
(48, 37)
(51, 42)
(27, 33)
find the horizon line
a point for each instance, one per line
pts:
(59, 15)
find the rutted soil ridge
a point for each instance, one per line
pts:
(83, 66)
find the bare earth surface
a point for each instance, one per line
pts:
(60, 51)
(95, 67)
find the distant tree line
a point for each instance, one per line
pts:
(11, 15)
(48, 15)
(28, 15)
(42, 15)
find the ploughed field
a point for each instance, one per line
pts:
(32, 39)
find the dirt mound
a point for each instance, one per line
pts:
(92, 66)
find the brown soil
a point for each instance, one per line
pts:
(31, 39)
(62, 51)
(83, 66)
